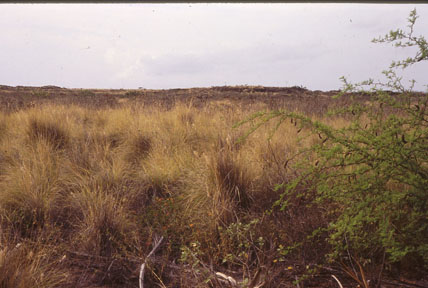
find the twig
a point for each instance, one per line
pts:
(363, 276)
(403, 284)
(108, 269)
(379, 278)
(160, 280)
(353, 275)
(256, 278)
(337, 280)
(297, 281)
(155, 247)
(350, 257)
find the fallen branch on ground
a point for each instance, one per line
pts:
(155, 247)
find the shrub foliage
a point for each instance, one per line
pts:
(372, 174)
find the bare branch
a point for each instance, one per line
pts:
(155, 247)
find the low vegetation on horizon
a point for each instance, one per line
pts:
(243, 186)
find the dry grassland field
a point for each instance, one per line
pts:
(96, 183)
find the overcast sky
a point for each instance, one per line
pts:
(201, 45)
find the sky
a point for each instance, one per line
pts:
(162, 46)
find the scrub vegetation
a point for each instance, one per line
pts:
(246, 186)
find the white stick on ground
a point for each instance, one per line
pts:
(337, 280)
(155, 247)
(224, 278)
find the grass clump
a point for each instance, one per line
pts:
(25, 266)
(140, 148)
(29, 186)
(48, 131)
(231, 184)
(102, 224)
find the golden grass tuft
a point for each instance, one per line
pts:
(3, 126)
(25, 266)
(102, 225)
(28, 187)
(140, 148)
(187, 118)
(231, 179)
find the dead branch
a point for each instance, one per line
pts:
(155, 247)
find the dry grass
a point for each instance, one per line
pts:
(25, 266)
(103, 182)
(49, 132)
(100, 183)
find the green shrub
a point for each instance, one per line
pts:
(372, 175)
